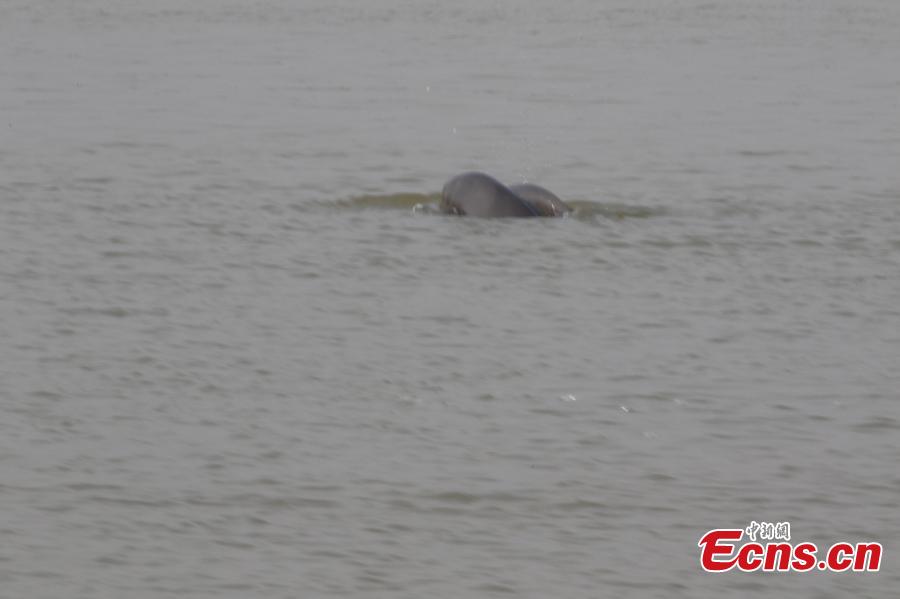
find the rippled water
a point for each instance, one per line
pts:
(241, 357)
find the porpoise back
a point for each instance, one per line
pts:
(478, 194)
(544, 201)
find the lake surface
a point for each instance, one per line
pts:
(242, 357)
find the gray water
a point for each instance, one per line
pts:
(241, 357)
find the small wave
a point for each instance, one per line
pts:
(427, 203)
(398, 201)
(877, 424)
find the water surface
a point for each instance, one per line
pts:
(238, 362)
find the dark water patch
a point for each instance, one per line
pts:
(115, 254)
(404, 180)
(544, 411)
(653, 398)
(235, 544)
(283, 501)
(93, 487)
(660, 477)
(56, 508)
(614, 210)
(94, 181)
(878, 424)
(496, 587)
(114, 312)
(468, 498)
(42, 574)
(43, 394)
(765, 153)
(805, 242)
(689, 241)
(810, 168)
(582, 504)
(131, 502)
